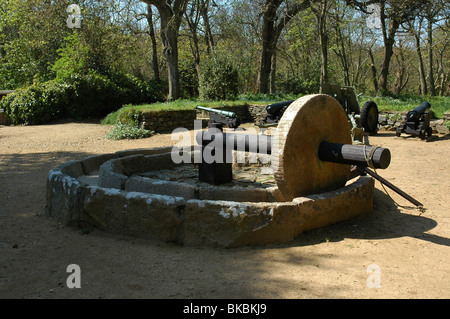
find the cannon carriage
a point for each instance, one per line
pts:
(417, 122)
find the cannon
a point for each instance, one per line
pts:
(219, 118)
(363, 120)
(417, 122)
(308, 157)
(274, 113)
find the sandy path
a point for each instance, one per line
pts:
(410, 248)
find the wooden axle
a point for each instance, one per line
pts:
(358, 155)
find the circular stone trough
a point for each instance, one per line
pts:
(143, 193)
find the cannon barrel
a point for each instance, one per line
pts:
(273, 108)
(359, 155)
(224, 113)
(418, 111)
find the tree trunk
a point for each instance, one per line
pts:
(270, 35)
(389, 41)
(273, 73)
(423, 80)
(373, 69)
(321, 16)
(324, 58)
(268, 44)
(155, 64)
(193, 19)
(342, 54)
(430, 54)
(170, 23)
(400, 81)
(204, 8)
(444, 76)
(422, 76)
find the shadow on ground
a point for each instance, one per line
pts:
(35, 251)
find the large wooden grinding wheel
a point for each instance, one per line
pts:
(305, 124)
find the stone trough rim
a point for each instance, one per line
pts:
(186, 216)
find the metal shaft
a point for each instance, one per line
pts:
(224, 113)
(393, 187)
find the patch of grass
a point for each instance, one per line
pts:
(131, 110)
(110, 119)
(183, 105)
(258, 98)
(399, 103)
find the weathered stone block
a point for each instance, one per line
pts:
(108, 177)
(158, 162)
(72, 168)
(155, 186)
(63, 195)
(235, 194)
(274, 194)
(329, 208)
(144, 151)
(133, 164)
(231, 224)
(442, 129)
(91, 165)
(132, 213)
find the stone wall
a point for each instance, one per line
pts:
(167, 121)
(75, 198)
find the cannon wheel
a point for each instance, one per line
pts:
(369, 117)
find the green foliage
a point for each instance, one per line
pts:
(93, 95)
(131, 114)
(407, 102)
(269, 98)
(188, 79)
(219, 79)
(37, 104)
(30, 33)
(73, 57)
(122, 131)
(300, 85)
(137, 91)
(79, 96)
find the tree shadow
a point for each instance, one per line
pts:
(431, 139)
(37, 160)
(386, 221)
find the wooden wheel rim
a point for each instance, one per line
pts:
(305, 124)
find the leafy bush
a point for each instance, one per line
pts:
(219, 79)
(127, 131)
(136, 91)
(93, 95)
(37, 104)
(73, 57)
(188, 79)
(77, 97)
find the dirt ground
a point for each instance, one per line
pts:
(410, 248)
